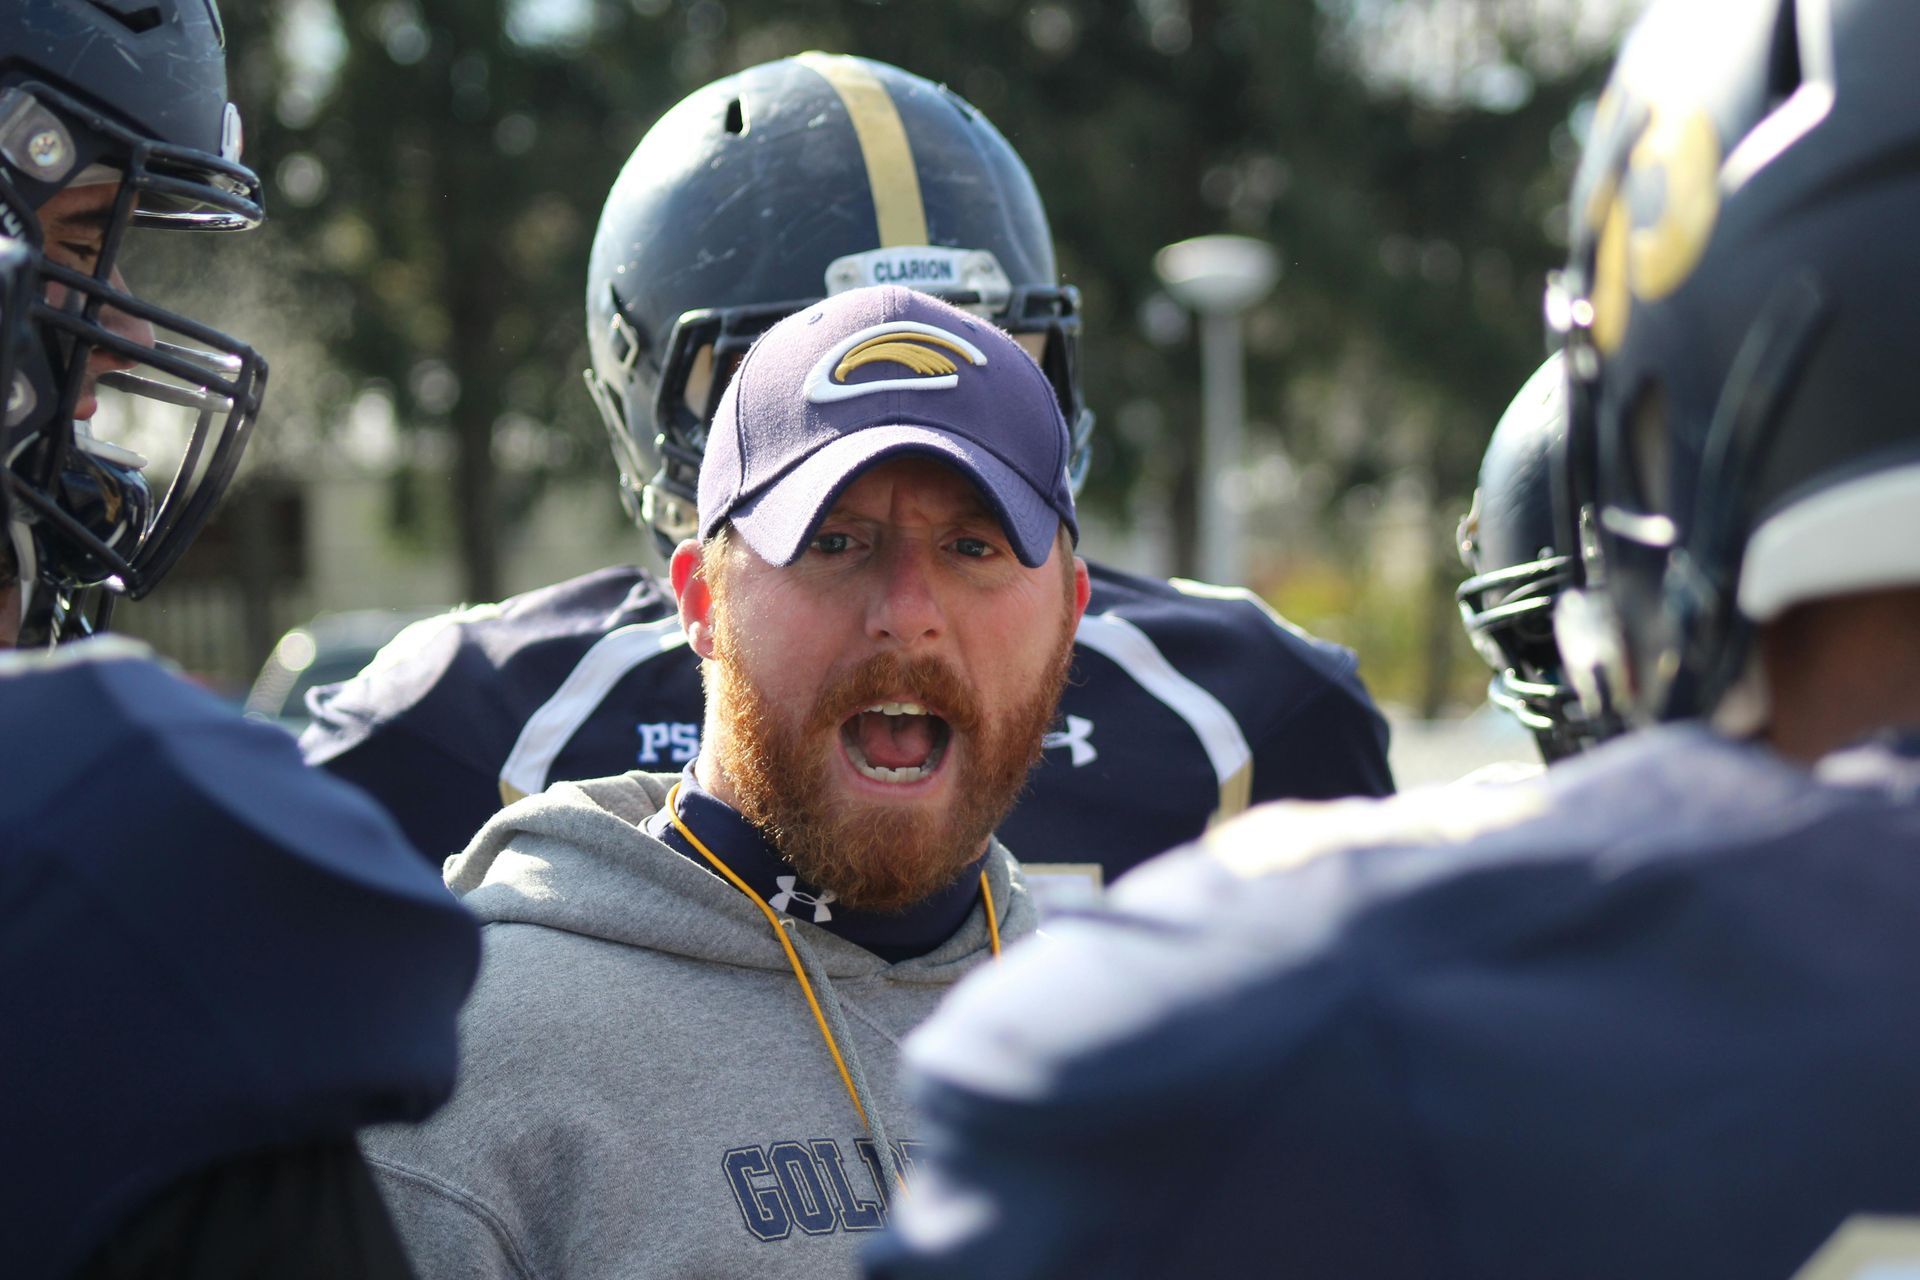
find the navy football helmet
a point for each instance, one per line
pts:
(770, 189)
(1741, 279)
(123, 103)
(1509, 542)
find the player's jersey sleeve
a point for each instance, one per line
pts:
(1331, 746)
(1187, 704)
(463, 712)
(1312, 727)
(1644, 1015)
(305, 1211)
(1204, 1077)
(1126, 1098)
(209, 948)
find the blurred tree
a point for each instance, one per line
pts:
(439, 165)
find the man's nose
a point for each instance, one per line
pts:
(130, 327)
(907, 608)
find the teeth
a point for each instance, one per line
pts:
(898, 709)
(892, 775)
(879, 773)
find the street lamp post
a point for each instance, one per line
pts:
(1220, 278)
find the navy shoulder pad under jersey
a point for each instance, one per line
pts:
(1185, 704)
(208, 948)
(1650, 1015)
(459, 714)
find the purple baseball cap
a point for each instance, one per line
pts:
(872, 374)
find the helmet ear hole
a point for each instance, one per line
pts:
(736, 122)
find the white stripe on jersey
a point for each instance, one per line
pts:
(551, 727)
(1219, 733)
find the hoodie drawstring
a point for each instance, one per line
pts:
(786, 945)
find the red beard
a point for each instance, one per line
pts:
(875, 857)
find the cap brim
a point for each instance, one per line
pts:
(779, 520)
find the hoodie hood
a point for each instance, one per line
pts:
(574, 858)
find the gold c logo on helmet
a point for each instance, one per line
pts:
(930, 355)
(1655, 222)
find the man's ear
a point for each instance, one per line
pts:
(694, 594)
(1082, 589)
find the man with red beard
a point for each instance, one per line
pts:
(681, 1054)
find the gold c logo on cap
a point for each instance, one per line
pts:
(917, 354)
(930, 355)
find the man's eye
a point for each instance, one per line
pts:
(832, 544)
(76, 254)
(974, 548)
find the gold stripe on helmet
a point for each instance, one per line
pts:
(883, 145)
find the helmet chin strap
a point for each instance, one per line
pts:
(44, 617)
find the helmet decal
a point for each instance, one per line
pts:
(926, 267)
(1654, 224)
(883, 144)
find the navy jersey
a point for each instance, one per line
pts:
(1186, 702)
(206, 947)
(1654, 1014)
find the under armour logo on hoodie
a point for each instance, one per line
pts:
(788, 895)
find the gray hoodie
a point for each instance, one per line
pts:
(644, 1090)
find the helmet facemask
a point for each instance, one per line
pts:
(1517, 561)
(104, 504)
(657, 415)
(1508, 617)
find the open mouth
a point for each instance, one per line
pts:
(896, 742)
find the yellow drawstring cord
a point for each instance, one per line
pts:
(813, 1003)
(840, 1064)
(993, 917)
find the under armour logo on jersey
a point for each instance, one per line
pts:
(928, 353)
(789, 894)
(1076, 737)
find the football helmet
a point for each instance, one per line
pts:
(1509, 541)
(1741, 434)
(770, 189)
(122, 103)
